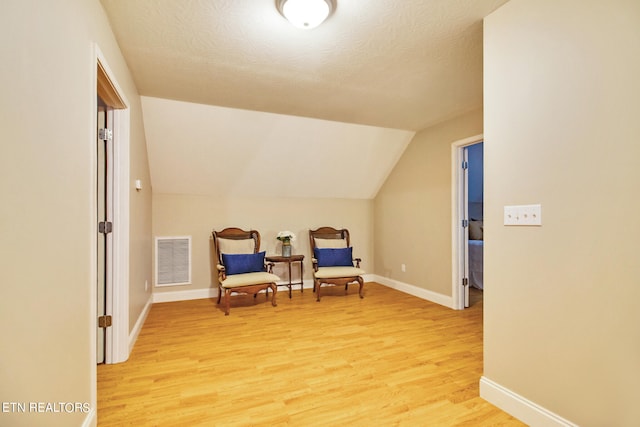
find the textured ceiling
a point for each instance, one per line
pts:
(394, 64)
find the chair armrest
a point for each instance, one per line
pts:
(222, 272)
(357, 260)
(269, 266)
(314, 262)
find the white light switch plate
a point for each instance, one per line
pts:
(523, 215)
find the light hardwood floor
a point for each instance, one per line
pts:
(389, 359)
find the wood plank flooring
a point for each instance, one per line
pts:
(389, 359)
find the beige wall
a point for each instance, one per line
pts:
(197, 216)
(140, 221)
(561, 129)
(412, 210)
(47, 193)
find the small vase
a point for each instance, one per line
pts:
(286, 249)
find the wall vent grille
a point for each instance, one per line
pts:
(173, 261)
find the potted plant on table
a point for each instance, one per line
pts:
(286, 237)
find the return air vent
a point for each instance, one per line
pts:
(173, 261)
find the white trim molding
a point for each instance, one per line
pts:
(91, 418)
(306, 284)
(133, 336)
(416, 291)
(457, 238)
(185, 295)
(213, 292)
(523, 409)
(116, 348)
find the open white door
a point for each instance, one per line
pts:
(460, 220)
(104, 218)
(464, 224)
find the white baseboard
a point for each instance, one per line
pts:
(185, 295)
(369, 278)
(426, 294)
(445, 300)
(306, 284)
(90, 420)
(212, 293)
(133, 336)
(523, 409)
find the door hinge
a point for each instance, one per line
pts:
(105, 134)
(105, 227)
(465, 165)
(465, 223)
(465, 281)
(104, 321)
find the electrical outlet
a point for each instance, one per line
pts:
(523, 215)
(146, 285)
(403, 268)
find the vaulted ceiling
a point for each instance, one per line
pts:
(383, 64)
(209, 150)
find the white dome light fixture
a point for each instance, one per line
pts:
(305, 14)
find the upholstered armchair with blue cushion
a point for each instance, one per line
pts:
(241, 268)
(333, 262)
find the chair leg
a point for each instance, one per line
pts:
(361, 283)
(227, 301)
(274, 288)
(318, 286)
(219, 293)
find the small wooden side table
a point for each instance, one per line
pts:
(289, 260)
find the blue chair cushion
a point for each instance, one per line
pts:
(243, 263)
(330, 257)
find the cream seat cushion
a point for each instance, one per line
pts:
(337, 272)
(247, 279)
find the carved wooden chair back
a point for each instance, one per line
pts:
(329, 237)
(234, 240)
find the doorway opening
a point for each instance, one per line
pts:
(467, 220)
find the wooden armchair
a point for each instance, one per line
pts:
(333, 263)
(241, 268)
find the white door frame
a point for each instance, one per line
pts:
(457, 215)
(117, 336)
(105, 198)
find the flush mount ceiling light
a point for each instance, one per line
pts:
(305, 14)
